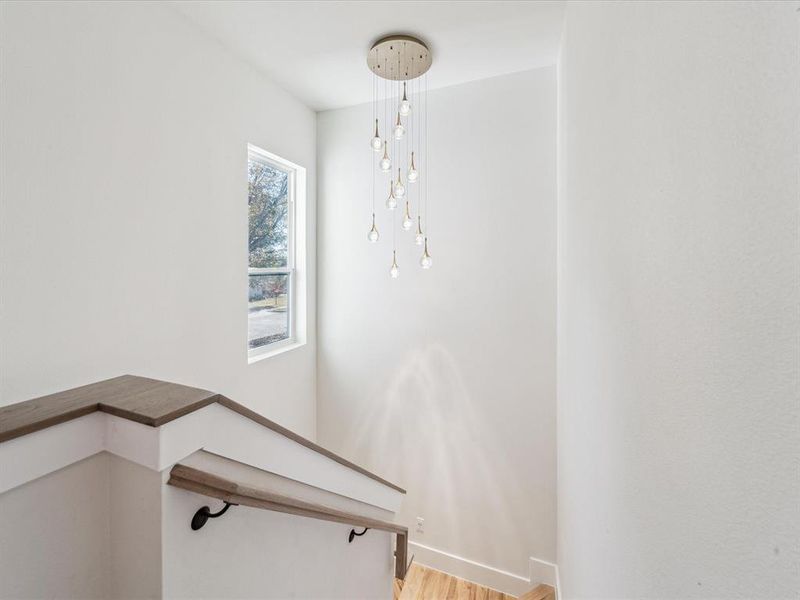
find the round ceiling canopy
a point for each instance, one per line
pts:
(399, 57)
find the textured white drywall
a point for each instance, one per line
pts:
(109, 528)
(253, 553)
(134, 543)
(123, 205)
(444, 380)
(54, 534)
(678, 428)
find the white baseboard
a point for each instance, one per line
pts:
(542, 571)
(487, 576)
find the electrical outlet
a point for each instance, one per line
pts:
(420, 525)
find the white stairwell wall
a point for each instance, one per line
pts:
(123, 205)
(55, 534)
(679, 420)
(445, 379)
(89, 530)
(108, 528)
(253, 553)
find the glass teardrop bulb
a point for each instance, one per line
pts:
(419, 238)
(405, 105)
(407, 222)
(413, 174)
(399, 188)
(375, 143)
(399, 130)
(373, 234)
(391, 201)
(426, 261)
(386, 163)
(394, 271)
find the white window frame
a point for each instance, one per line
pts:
(296, 297)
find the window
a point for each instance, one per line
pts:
(272, 318)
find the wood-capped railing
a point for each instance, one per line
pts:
(155, 403)
(209, 484)
(148, 401)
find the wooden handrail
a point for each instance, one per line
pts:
(148, 401)
(209, 484)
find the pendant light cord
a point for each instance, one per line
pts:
(376, 155)
(427, 161)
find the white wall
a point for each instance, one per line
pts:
(253, 553)
(54, 534)
(135, 561)
(444, 380)
(89, 530)
(123, 208)
(678, 301)
(108, 528)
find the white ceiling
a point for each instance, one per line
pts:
(317, 50)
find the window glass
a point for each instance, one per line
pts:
(269, 215)
(268, 317)
(270, 261)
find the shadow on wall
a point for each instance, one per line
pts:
(427, 432)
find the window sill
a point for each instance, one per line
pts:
(274, 350)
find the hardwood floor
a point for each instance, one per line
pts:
(540, 592)
(422, 583)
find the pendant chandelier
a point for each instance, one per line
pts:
(399, 64)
